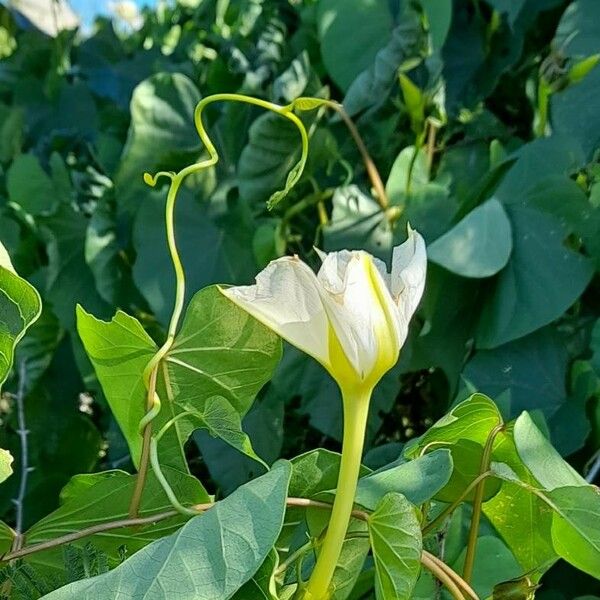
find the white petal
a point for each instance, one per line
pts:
(286, 299)
(409, 267)
(353, 307)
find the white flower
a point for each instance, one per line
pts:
(352, 316)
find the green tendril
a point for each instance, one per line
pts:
(176, 179)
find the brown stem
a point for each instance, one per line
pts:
(486, 458)
(372, 171)
(458, 580)
(442, 575)
(132, 522)
(136, 497)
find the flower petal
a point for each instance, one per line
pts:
(286, 299)
(353, 305)
(409, 267)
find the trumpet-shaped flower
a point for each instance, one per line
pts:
(352, 316)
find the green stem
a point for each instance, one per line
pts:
(356, 411)
(486, 459)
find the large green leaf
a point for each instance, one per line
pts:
(210, 557)
(69, 279)
(395, 534)
(220, 359)
(162, 109)
(220, 350)
(351, 33)
(576, 526)
(20, 307)
(478, 246)
(526, 296)
(531, 371)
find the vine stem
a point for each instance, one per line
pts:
(140, 482)
(151, 370)
(149, 520)
(441, 575)
(356, 412)
(23, 434)
(486, 458)
(372, 170)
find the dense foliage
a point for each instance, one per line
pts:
(481, 120)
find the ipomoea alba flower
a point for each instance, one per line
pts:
(352, 316)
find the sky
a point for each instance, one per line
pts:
(88, 9)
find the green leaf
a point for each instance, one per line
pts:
(213, 238)
(106, 498)
(520, 517)
(473, 419)
(525, 295)
(69, 279)
(120, 351)
(418, 480)
(351, 32)
(20, 307)
(372, 87)
(224, 547)
(576, 526)
(395, 534)
(494, 563)
(269, 160)
(220, 351)
(221, 420)
(427, 204)
(6, 460)
(536, 362)
(478, 246)
(539, 456)
(262, 584)
(162, 109)
(30, 187)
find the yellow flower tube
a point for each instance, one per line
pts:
(352, 317)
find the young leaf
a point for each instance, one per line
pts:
(210, 557)
(20, 306)
(395, 534)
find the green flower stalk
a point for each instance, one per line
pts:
(353, 318)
